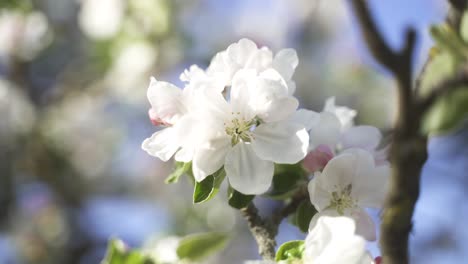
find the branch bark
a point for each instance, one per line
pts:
(261, 230)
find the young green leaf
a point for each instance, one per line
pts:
(118, 254)
(180, 169)
(304, 213)
(209, 187)
(286, 179)
(198, 246)
(464, 27)
(237, 199)
(290, 250)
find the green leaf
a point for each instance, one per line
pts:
(209, 187)
(448, 113)
(180, 169)
(304, 213)
(286, 180)
(290, 250)
(198, 246)
(118, 254)
(464, 27)
(448, 40)
(237, 199)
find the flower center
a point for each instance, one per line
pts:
(239, 129)
(342, 200)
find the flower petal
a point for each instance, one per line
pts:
(344, 114)
(285, 62)
(280, 142)
(327, 131)
(162, 144)
(247, 173)
(306, 117)
(365, 137)
(365, 226)
(166, 101)
(210, 157)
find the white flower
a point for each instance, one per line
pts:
(349, 183)
(333, 241)
(176, 109)
(333, 127)
(246, 55)
(250, 132)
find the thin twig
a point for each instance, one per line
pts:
(261, 230)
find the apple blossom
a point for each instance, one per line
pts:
(250, 132)
(349, 183)
(333, 241)
(246, 55)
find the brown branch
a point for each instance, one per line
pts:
(459, 80)
(262, 231)
(408, 151)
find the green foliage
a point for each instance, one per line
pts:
(209, 187)
(291, 250)
(118, 254)
(180, 169)
(287, 178)
(304, 213)
(450, 54)
(198, 246)
(23, 5)
(237, 199)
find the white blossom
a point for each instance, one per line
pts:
(250, 132)
(333, 241)
(349, 183)
(246, 55)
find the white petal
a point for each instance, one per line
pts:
(326, 132)
(280, 142)
(285, 62)
(162, 144)
(210, 157)
(305, 117)
(338, 172)
(241, 51)
(344, 114)
(260, 59)
(242, 84)
(320, 196)
(278, 110)
(365, 226)
(332, 241)
(247, 173)
(369, 183)
(366, 137)
(166, 101)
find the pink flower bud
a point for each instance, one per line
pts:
(378, 260)
(318, 158)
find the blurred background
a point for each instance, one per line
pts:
(73, 114)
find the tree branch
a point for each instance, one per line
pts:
(261, 230)
(408, 151)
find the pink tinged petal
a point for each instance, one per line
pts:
(162, 144)
(365, 226)
(247, 173)
(327, 131)
(154, 118)
(285, 62)
(317, 159)
(210, 157)
(280, 142)
(365, 137)
(166, 101)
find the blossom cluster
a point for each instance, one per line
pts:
(240, 115)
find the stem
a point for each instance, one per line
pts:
(262, 231)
